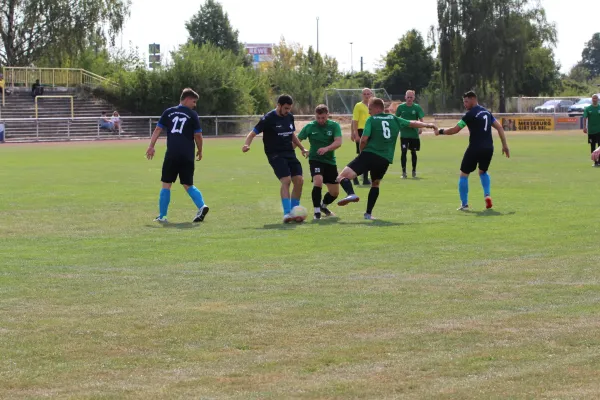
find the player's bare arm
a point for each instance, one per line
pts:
(354, 131)
(363, 142)
(421, 129)
(502, 135)
(421, 125)
(337, 143)
(248, 141)
(296, 143)
(585, 125)
(150, 152)
(198, 140)
(449, 131)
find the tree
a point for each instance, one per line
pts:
(304, 75)
(408, 65)
(485, 44)
(55, 28)
(224, 84)
(211, 25)
(590, 56)
(357, 80)
(579, 73)
(540, 74)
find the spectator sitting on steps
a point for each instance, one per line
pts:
(37, 89)
(116, 120)
(106, 123)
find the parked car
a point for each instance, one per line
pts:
(554, 106)
(577, 109)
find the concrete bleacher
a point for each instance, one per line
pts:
(20, 105)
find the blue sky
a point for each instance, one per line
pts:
(373, 31)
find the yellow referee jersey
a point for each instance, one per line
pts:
(360, 114)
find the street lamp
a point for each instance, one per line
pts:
(351, 64)
(317, 35)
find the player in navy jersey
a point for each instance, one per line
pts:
(481, 147)
(183, 134)
(279, 140)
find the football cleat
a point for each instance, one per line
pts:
(201, 214)
(348, 199)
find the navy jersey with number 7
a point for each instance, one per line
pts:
(181, 124)
(479, 121)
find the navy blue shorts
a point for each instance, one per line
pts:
(285, 164)
(476, 157)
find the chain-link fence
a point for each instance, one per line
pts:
(342, 101)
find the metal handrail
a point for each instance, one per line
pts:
(152, 120)
(158, 117)
(54, 77)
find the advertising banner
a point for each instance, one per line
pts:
(528, 123)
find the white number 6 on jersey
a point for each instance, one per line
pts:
(387, 133)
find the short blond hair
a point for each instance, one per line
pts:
(377, 102)
(410, 91)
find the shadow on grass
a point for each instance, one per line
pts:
(488, 213)
(329, 221)
(280, 226)
(376, 222)
(178, 225)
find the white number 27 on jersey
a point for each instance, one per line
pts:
(176, 121)
(387, 133)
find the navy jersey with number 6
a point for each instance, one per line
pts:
(277, 132)
(479, 121)
(181, 124)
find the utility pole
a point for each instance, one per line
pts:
(361, 64)
(351, 65)
(317, 35)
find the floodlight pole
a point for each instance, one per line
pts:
(317, 35)
(351, 65)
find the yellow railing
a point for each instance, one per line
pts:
(51, 77)
(54, 97)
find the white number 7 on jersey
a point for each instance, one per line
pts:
(486, 122)
(176, 120)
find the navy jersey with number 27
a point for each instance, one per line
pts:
(479, 121)
(181, 124)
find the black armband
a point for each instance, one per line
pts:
(441, 131)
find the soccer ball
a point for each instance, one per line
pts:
(299, 212)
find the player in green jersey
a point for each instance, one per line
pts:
(324, 136)
(591, 125)
(409, 137)
(377, 146)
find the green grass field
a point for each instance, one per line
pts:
(99, 302)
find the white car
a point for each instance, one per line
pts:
(554, 106)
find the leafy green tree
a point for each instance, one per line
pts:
(304, 75)
(55, 29)
(485, 44)
(590, 56)
(225, 86)
(211, 25)
(408, 65)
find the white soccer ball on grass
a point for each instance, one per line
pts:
(299, 212)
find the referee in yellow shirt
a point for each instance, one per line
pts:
(359, 118)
